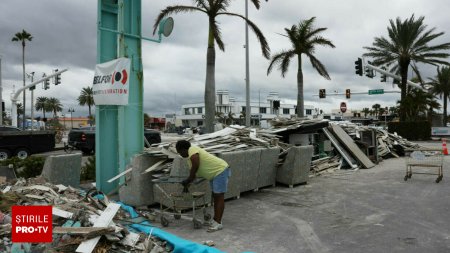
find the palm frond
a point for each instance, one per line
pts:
(174, 10)
(319, 66)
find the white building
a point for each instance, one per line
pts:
(192, 115)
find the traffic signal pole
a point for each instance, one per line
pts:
(14, 97)
(412, 84)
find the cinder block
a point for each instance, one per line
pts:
(237, 161)
(267, 172)
(296, 167)
(63, 169)
(166, 199)
(138, 188)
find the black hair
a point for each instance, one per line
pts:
(183, 145)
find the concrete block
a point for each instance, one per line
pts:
(63, 169)
(180, 167)
(267, 172)
(169, 188)
(236, 160)
(138, 188)
(250, 170)
(295, 169)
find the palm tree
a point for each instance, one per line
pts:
(376, 109)
(417, 104)
(407, 45)
(304, 39)
(22, 37)
(54, 105)
(86, 98)
(441, 86)
(41, 104)
(213, 9)
(365, 111)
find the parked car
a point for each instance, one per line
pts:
(84, 138)
(15, 142)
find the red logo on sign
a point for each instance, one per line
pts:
(31, 224)
(121, 76)
(343, 107)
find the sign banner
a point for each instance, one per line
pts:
(440, 131)
(111, 82)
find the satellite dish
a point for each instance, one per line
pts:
(166, 26)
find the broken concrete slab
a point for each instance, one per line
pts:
(295, 169)
(236, 160)
(267, 172)
(63, 169)
(138, 188)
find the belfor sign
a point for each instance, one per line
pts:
(343, 107)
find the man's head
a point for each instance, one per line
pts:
(183, 147)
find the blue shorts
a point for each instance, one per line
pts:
(220, 182)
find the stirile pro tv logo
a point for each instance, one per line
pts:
(31, 224)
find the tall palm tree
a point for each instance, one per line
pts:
(86, 98)
(376, 109)
(213, 9)
(417, 104)
(41, 104)
(22, 37)
(365, 111)
(54, 105)
(304, 39)
(408, 44)
(441, 86)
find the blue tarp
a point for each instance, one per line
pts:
(179, 245)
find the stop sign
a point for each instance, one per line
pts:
(343, 107)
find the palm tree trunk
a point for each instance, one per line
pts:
(90, 115)
(23, 68)
(445, 109)
(300, 102)
(210, 85)
(404, 75)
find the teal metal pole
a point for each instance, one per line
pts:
(106, 116)
(119, 129)
(131, 116)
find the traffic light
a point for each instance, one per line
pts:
(57, 78)
(383, 76)
(347, 93)
(369, 72)
(32, 88)
(46, 84)
(322, 93)
(358, 67)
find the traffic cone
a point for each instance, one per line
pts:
(444, 146)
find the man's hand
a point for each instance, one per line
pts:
(186, 182)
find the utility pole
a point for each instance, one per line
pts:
(31, 76)
(248, 110)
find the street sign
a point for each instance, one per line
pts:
(343, 107)
(376, 92)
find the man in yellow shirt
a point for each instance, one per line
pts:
(212, 168)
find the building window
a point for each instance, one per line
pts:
(308, 111)
(262, 110)
(200, 123)
(286, 111)
(243, 109)
(186, 111)
(199, 110)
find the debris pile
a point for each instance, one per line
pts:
(82, 221)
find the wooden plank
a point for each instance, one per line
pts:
(130, 240)
(61, 213)
(120, 175)
(103, 221)
(82, 230)
(350, 144)
(154, 166)
(340, 149)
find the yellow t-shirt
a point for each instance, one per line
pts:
(210, 166)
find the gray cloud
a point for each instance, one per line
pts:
(174, 71)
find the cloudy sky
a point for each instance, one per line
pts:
(64, 36)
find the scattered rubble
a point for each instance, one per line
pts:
(82, 221)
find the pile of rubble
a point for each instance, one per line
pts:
(83, 221)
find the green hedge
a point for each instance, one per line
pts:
(417, 130)
(30, 167)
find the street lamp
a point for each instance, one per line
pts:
(64, 120)
(31, 77)
(71, 110)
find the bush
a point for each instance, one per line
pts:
(417, 130)
(88, 170)
(30, 167)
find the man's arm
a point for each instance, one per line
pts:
(195, 161)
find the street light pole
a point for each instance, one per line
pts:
(31, 76)
(248, 110)
(1, 91)
(71, 110)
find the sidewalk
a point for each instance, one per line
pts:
(371, 210)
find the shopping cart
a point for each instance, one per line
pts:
(177, 199)
(425, 159)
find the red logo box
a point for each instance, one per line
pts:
(31, 224)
